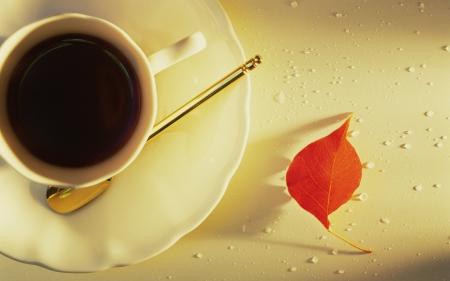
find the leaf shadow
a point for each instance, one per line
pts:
(257, 191)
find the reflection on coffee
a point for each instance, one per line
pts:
(73, 100)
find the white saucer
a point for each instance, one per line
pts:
(179, 177)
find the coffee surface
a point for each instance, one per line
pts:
(73, 100)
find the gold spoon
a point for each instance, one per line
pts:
(67, 200)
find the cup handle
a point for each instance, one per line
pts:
(176, 52)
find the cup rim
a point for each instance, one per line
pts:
(42, 172)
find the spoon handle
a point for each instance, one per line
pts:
(204, 96)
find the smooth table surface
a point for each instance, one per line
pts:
(385, 61)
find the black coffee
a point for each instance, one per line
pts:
(73, 100)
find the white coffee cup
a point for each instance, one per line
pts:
(145, 67)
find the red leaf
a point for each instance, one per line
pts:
(324, 175)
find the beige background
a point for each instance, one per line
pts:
(386, 62)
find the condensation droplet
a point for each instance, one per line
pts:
(268, 230)
(294, 4)
(279, 97)
(363, 196)
(385, 220)
(292, 269)
(406, 146)
(198, 255)
(335, 251)
(353, 133)
(338, 15)
(369, 165)
(418, 187)
(411, 69)
(447, 48)
(438, 185)
(314, 259)
(409, 132)
(340, 271)
(244, 228)
(231, 248)
(387, 143)
(429, 113)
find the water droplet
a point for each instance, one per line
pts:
(362, 197)
(424, 66)
(429, 113)
(268, 230)
(359, 120)
(385, 220)
(353, 133)
(439, 144)
(314, 260)
(444, 137)
(294, 4)
(279, 97)
(244, 228)
(406, 146)
(293, 269)
(338, 15)
(340, 271)
(323, 237)
(369, 165)
(418, 187)
(438, 185)
(387, 143)
(348, 229)
(411, 69)
(198, 255)
(409, 132)
(430, 83)
(231, 248)
(335, 251)
(430, 129)
(447, 48)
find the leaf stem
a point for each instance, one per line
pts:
(351, 243)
